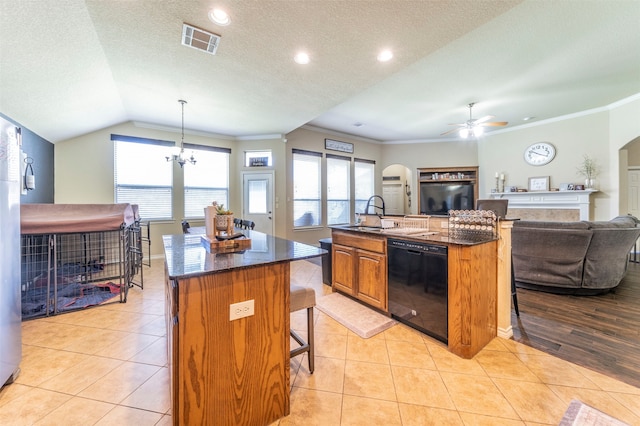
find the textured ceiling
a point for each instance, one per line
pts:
(73, 66)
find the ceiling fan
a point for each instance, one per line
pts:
(474, 127)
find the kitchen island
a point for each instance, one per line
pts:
(224, 371)
(473, 270)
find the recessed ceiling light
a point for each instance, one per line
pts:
(219, 17)
(528, 118)
(385, 56)
(301, 58)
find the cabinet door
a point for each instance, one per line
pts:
(372, 278)
(343, 268)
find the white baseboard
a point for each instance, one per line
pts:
(505, 333)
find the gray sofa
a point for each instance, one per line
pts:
(572, 257)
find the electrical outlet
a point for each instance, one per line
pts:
(413, 312)
(240, 310)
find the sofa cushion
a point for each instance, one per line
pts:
(550, 225)
(550, 256)
(616, 222)
(608, 255)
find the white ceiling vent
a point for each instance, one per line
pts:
(200, 39)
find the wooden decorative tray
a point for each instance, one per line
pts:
(225, 246)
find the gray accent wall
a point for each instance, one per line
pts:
(41, 150)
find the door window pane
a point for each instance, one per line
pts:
(257, 197)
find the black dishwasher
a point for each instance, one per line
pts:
(418, 286)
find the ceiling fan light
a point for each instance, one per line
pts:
(464, 133)
(478, 131)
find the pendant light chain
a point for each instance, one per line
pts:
(180, 158)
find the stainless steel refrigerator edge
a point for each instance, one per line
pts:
(10, 311)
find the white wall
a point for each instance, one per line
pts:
(573, 138)
(624, 133)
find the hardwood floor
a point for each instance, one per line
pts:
(601, 333)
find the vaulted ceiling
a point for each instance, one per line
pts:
(75, 66)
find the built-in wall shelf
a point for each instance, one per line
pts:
(446, 188)
(467, 174)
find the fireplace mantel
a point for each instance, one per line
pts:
(570, 200)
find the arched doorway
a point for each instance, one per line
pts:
(397, 189)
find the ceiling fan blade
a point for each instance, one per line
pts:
(483, 119)
(449, 131)
(496, 123)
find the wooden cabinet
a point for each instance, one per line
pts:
(360, 270)
(372, 278)
(473, 292)
(360, 267)
(229, 372)
(343, 268)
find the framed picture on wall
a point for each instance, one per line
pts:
(540, 183)
(338, 146)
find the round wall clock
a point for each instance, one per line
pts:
(539, 153)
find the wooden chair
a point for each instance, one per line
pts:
(303, 298)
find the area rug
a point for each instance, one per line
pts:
(363, 321)
(579, 414)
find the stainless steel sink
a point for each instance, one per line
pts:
(363, 227)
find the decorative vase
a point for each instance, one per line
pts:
(224, 223)
(590, 183)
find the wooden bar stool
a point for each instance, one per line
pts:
(303, 298)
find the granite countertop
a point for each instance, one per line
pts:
(417, 235)
(186, 256)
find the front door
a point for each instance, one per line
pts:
(257, 200)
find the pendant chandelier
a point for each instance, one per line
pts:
(180, 158)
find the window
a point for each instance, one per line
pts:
(338, 184)
(143, 176)
(306, 188)
(258, 159)
(364, 182)
(207, 180)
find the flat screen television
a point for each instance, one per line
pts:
(437, 198)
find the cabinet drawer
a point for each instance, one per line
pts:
(366, 242)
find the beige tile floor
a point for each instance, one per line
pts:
(107, 366)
